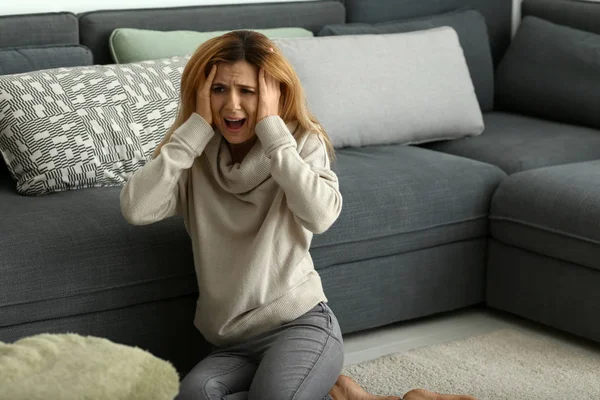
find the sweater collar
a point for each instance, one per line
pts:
(242, 177)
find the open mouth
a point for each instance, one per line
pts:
(235, 124)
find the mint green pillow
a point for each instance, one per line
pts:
(129, 45)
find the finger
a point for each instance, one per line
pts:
(273, 83)
(213, 72)
(210, 78)
(268, 79)
(261, 79)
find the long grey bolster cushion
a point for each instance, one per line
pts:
(403, 88)
(551, 71)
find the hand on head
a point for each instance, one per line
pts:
(269, 94)
(203, 96)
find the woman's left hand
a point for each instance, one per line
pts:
(268, 97)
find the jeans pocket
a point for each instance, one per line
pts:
(327, 311)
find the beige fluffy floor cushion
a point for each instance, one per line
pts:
(70, 366)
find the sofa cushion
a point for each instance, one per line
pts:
(72, 128)
(51, 28)
(553, 211)
(16, 60)
(551, 71)
(382, 89)
(516, 143)
(72, 253)
(472, 34)
(582, 14)
(399, 199)
(498, 14)
(129, 45)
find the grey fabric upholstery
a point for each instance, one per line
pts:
(402, 198)
(363, 295)
(38, 29)
(544, 258)
(96, 26)
(516, 143)
(164, 327)
(383, 290)
(582, 15)
(557, 293)
(552, 211)
(60, 261)
(72, 253)
(472, 33)
(551, 71)
(25, 59)
(498, 15)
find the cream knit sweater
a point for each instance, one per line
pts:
(251, 223)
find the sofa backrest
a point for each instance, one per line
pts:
(96, 26)
(497, 13)
(576, 14)
(38, 29)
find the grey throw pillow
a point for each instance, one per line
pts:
(472, 33)
(551, 71)
(16, 60)
(400, 88)
(79, 127)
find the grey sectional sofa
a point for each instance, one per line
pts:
(508, 218)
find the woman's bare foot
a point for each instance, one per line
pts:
(346, 389)
(422, 394)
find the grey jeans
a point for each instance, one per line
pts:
(300, 360)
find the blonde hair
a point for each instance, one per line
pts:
(258, 50)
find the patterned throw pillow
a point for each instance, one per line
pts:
(72, 128)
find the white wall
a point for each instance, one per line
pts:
(77, 6)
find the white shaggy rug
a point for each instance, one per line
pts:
(503, 365)
(74, 367)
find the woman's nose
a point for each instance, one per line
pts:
(233, 101)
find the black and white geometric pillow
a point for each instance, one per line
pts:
(73, 128)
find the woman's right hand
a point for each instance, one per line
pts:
(203, 96)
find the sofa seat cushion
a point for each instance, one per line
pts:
(516, 143)
(72, 253)
(403, 198)
(553, 211)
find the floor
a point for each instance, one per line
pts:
(397, 338)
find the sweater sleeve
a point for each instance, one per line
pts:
(155, 191)
(310, 186)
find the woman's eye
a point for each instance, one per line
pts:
(218, 89)
(248, 91)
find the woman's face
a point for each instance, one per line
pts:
(234, 100)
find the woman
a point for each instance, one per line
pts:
(248, 167)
